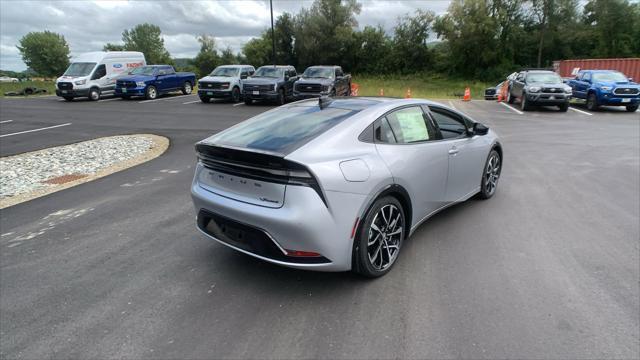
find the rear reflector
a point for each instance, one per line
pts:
(297, 253)
(355, 226)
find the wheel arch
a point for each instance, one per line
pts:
(402, 195)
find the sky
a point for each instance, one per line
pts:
(88, 25)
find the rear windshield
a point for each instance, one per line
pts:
(80, 69)
(283, 130)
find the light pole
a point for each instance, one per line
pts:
(273, 36)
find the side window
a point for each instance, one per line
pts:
(586, 77)
(451, 125)
(100, 72)
(409, 126)
(162, 71)
(520, 77)
(244, 74)
(338, 73)
(292, 73)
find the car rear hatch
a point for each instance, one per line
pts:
(248, 176)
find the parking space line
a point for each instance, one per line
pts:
(5, 121)
(452, 106)
(115, 98)
(162, 99)
(190, 102)
(580, 111)
(511, 108)
(34, 130)
(238, 104)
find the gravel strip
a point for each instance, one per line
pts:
(24, 176)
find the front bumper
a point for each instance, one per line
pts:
(266, 95)
(73, 92)
(548, 98)
(303, 223)
(136, 91)
(307, 95)
(214, 93)
(617, 100)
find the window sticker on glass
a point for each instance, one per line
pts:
(408, 125)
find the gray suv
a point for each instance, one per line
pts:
(539, 87)
(270, 83)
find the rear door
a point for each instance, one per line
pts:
(167, 79)
(465, 153)
(582, 85)
(518, 85)
(406, 140)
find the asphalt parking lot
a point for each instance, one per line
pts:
(548, 268)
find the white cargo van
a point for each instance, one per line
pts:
(94, 74)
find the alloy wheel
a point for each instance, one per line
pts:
(385, 237)
(492, 173)
(187, 88)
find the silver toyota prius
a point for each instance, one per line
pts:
(337, 184)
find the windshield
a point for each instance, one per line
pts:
(609, 76)
(282, 130)
(270, 72)
(225, 71)
(143, 70)
(543, 78)
(79, 69)
(318, 73)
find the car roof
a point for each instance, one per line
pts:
(600, 71)
(278, 66)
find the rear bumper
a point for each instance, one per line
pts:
(136, 91)
(73, 93)
(303, 223)
(214, 93)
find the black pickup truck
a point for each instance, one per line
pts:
(270, 83)
(539, 87)
(322, 80)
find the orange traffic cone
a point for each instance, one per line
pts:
(467, 94)
(408, 96)
(500, 96)
(381, 92)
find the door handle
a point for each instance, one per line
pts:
(454, 150)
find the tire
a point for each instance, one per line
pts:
(490, 175)
(632, 108)
(151, 93)
(127, 97)
(68, 98)
(373, 250)
(94, 94)
(235, 95)
(524, 103)
(248, 101)
(510, 97)
(592, 102)
(564, 107)
(204, 99)
(281, 98)
(187, 88)
(348, 90)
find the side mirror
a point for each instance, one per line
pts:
(479, 129)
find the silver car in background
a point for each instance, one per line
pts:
(339, 184)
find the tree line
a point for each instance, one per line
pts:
(480, 39)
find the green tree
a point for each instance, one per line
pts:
(285, 37)
(410, 51)
(113, 47)
(615, 27)
(371, 51)
(257, 51)
(208, 58)
(147, 38)
(45, 52)
(227, 57)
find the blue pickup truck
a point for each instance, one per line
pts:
(605, 87)
(153, 80)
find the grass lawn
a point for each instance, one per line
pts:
(47, 85)
(422, 86)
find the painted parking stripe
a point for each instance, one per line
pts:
(511, 108)
(34, 130)
(191, 102)
(5, 121)
(115, 98)
(452, 106)
(238, 104)
(162, 99)
(581, 111)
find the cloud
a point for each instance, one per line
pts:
(88, 25)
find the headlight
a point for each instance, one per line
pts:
(326, 88)
(534, 89)
(225, 86)
(605, 88)
(568, 90)
(273, 88)
(140, 83)
(80, 82)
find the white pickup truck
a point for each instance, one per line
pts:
(224, 82)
